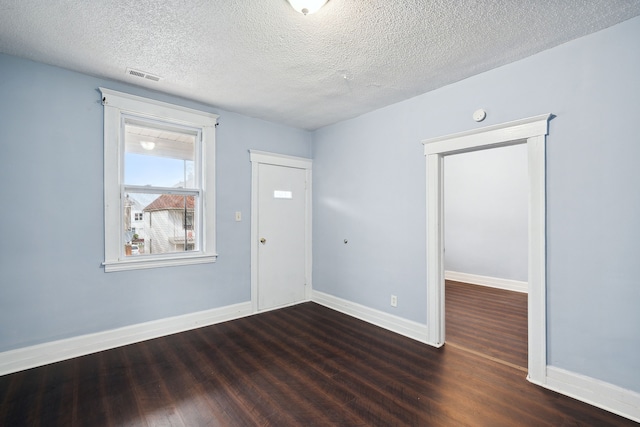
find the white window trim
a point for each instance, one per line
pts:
(115, 105)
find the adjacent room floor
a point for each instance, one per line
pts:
(488, 321)
(300, 366)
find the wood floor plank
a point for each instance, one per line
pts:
(487, 320)
(291, 372)
(209, 383)
(302, 365)
(339, 375)
(92, 408)
(129, 383)
(119, 396)
(445, 394)
(58, 395)
(350, 372)
(9, 385)
(154, 389)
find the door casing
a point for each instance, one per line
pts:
(261, 157)
(531, 131)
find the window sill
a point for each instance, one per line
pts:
(143, 263)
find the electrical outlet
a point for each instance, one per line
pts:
(394, 301)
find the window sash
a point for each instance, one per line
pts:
(133, 119)
(196, 215)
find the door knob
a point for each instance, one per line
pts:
(263, 240)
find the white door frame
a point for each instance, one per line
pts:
(531, 131)
(262, 157)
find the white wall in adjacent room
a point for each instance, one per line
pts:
(486, 212)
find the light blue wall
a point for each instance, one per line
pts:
(486, 200)
(369, 186)
(51, 226)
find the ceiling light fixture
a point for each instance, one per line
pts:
(148, 145)
(307, 7)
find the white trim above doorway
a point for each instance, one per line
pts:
(531, 131)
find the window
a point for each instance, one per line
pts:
(159, 172)
(188, 220)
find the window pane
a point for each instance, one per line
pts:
(159, 156)
(169, 223)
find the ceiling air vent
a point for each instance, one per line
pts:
(142, 75)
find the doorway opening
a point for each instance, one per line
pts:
(531, 131)
(486, 241)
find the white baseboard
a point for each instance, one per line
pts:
(408, 328)
(492, 282)
(609, 397)
(55, 351)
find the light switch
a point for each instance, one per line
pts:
(238, 216)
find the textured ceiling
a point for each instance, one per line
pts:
(262, 59)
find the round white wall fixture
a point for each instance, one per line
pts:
(479, 115)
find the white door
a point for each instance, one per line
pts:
(281, 228)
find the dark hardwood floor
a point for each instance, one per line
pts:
(487, 320)
(300, 366)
